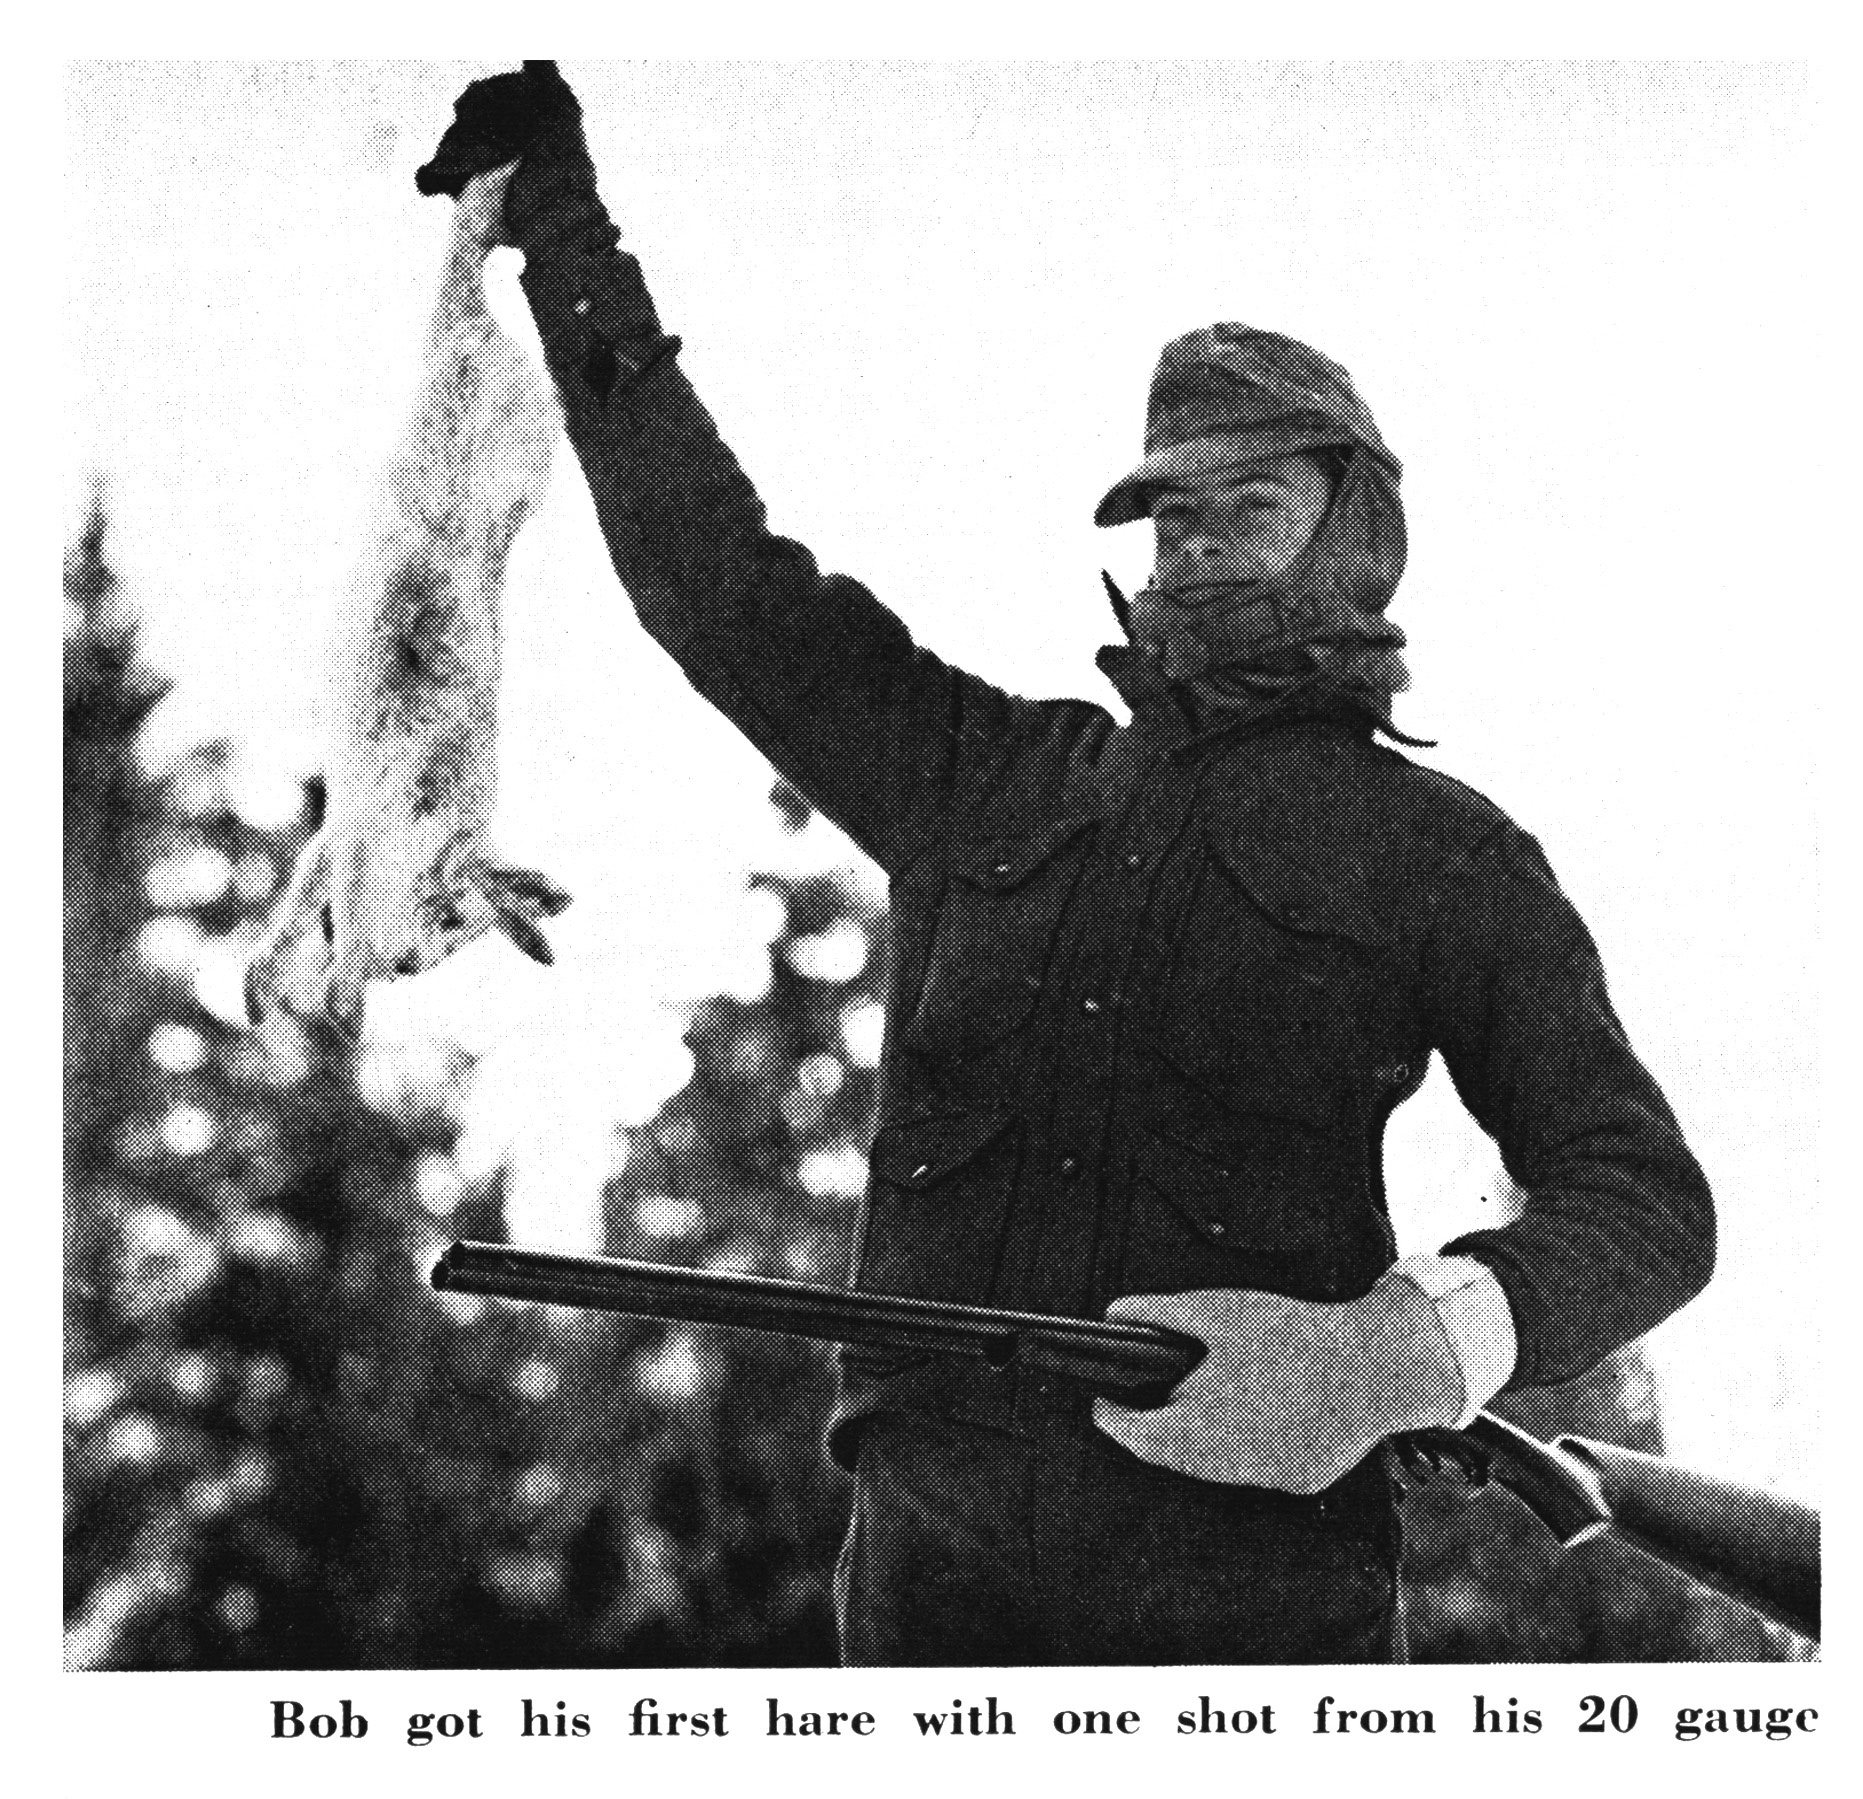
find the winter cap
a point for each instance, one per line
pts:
(1231, 394)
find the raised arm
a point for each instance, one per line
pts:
(810, 666)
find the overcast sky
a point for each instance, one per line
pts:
(924, 301)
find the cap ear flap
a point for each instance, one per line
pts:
(1387, 538)
(1366, 540)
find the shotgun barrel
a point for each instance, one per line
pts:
(1712, 1530)
(1136, 1364)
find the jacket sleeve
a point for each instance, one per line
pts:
(1617, 1229)
(822, 678)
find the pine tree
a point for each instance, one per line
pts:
(108, 694)
(266, 1463)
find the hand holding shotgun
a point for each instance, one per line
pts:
(1290, 1395)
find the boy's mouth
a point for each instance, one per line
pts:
(1198, 596)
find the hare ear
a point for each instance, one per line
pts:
(524, 934)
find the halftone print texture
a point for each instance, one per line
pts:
(1128, 1033)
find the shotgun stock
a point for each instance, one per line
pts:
(1756, 1546)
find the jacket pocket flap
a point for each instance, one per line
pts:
(1212, 1196)
(1316, 893)
(919, 1153)
(1002, 861)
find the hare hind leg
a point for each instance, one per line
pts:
(519, 897)
(300, 914)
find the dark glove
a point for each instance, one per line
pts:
(529, 115)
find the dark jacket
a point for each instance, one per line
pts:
(1154, 993)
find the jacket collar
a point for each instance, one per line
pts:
(1169, 715)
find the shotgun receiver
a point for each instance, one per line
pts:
(1753, 1545)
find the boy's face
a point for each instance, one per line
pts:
(1244, 523)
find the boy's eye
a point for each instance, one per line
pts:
(1252, 505)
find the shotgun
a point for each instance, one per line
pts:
(1753, 1545)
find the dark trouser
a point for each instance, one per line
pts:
(969, 1547)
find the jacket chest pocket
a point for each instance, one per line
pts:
(1269, 1205)
(938, 1201)
(1271, 984)
(993, 948)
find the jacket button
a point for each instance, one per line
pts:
(999, 869)
(1217, 1228)
(1070, 1166)
(1135, 861)
(1090, 1006)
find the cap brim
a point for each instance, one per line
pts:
(1129, 499)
